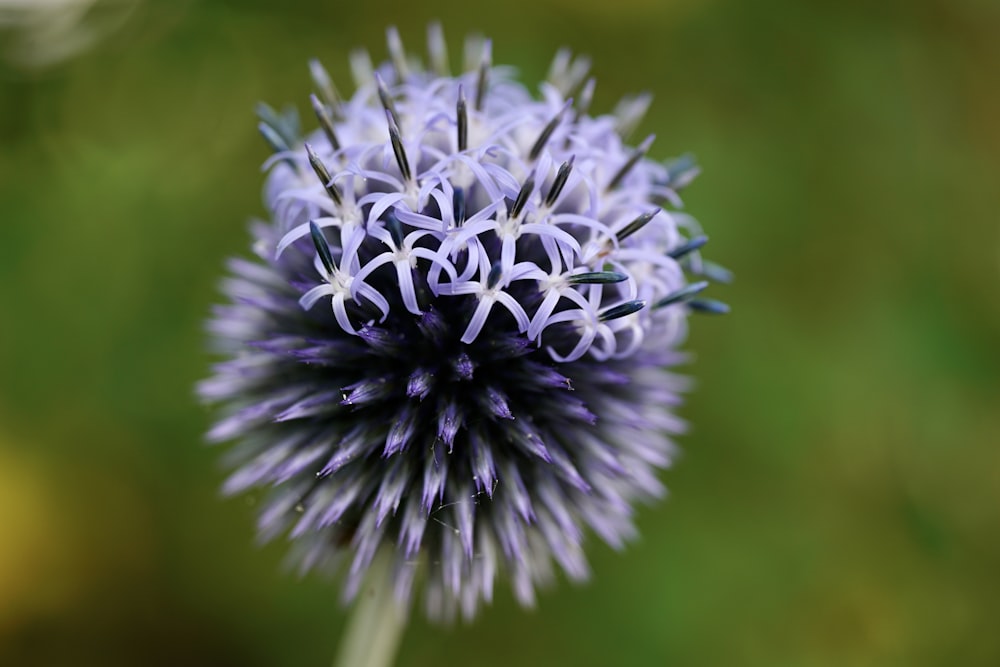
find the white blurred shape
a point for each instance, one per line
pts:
(39, 33)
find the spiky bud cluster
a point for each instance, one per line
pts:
(454, 344)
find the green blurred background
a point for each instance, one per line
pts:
(838, 502)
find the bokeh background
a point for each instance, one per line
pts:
(838, 502)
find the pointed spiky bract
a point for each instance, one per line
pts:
(455, 340)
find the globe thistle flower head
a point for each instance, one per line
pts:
(454, 344)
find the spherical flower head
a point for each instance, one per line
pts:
(454, 344)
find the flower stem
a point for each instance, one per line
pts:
(376, 624)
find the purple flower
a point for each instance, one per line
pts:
(455, 341)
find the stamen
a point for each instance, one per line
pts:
(397, 147)
(397, 53)
(522, 196)
(484, 71)
(324, 86)
(576, 75)
(273, 139)
(362, 70)
(582, 106)
(386, 98)
(472, 51)
(560, 63)
(597, 278)
(637, 224)
(322, 249)
(462, 121)
(586, 97)
(681, 171)
(621, 310)
(708, 306)
(639, 153)
(437, 49)
(325, 122)
(458, 206)
(493, 279)
(713, 271)
(324, 176)
(630, 112)
(285, 125)
(395, 228)
(559, 181)
(686, 293)
(689, 247)
(543, 138)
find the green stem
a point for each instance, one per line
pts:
(377, 623)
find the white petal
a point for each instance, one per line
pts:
(420, 221)
(503, 178)
(478, 319)
(373, 264)
(405, 275)
(507, 251)
(381, 177)
(470, 229)
(468, 287)
(340, 312)
(302, 230)
(485, 212)
(638, 334)
(351, 238)
(579, 350)
(477, 259)
(610, 343)
(596, 225)
(315, 196)
(383, 204)
(552, 250)
(511, 304)
(309, 299)
(437, 260)
(540, 318)
(484, 179)
(525, 271)
(573, 315)
(373, 295)
(551, 230)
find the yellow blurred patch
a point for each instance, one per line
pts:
(37, 575)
